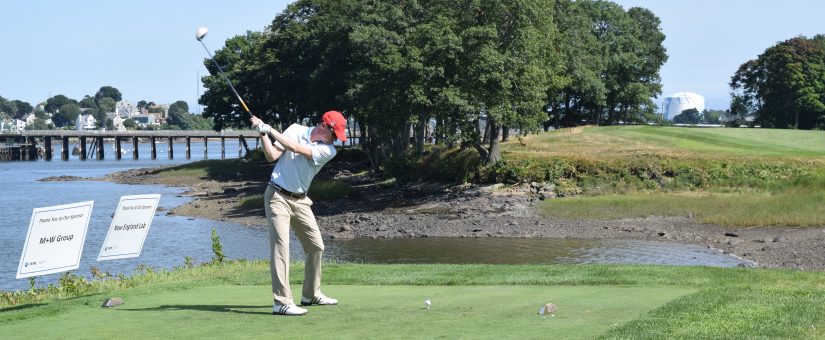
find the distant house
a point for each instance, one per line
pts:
(29, 118)
(125, 109)
(85, 122)
(20, 124)
(117, 121)
(144, 120)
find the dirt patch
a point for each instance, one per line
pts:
(376, 210)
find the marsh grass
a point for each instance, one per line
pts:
(798, 207)
(220, 169)
(328, 190)
(252, 202)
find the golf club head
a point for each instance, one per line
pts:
(201, 33)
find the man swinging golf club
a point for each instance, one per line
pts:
(301, 152)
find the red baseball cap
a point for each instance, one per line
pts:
(337, 122)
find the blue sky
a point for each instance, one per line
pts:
(147, 49)
(707, 40)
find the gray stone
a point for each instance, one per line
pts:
(549, 308)
(112, 302)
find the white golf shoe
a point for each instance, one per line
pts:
(289, 309)
(318, 300)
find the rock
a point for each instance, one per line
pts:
(779, 239)
(733, 242)
(230, 190)
(549, 308)
(64, 178)
(345, 227)
(112, 302)
(731, 234)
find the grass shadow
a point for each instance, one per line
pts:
(21, 307)
(201, 308)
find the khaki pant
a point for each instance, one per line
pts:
(281, 213)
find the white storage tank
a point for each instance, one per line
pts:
(676, 103)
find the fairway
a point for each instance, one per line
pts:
(234, 311)
(631, 141)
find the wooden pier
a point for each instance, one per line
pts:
(118, 137)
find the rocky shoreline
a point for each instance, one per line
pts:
(429, 210)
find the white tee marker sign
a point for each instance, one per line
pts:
(55, 239)
(129, 228)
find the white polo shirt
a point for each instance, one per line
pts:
(294, 172)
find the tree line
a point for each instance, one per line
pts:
(784, 87)
(63, 112)
(394, 66)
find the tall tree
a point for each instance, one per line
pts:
(23, 108)
(88, 102)
(178, 115)
(784, 87)
(8, 108)
(108, 92)
(689, 116)
(578, 89)
(54, 103)
(66, 115)
(106, 105)
(506, 46)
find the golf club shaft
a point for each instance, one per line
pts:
(226, 79)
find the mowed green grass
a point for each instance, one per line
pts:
(232, 300)
(620, 141)
(243, 312)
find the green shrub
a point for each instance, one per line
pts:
(438, 164)
(217, 247)
(253, 202)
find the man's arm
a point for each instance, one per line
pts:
(271, 151)
(291, 145)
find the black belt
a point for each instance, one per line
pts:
(287, 192)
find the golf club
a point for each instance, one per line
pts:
(201, 32)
